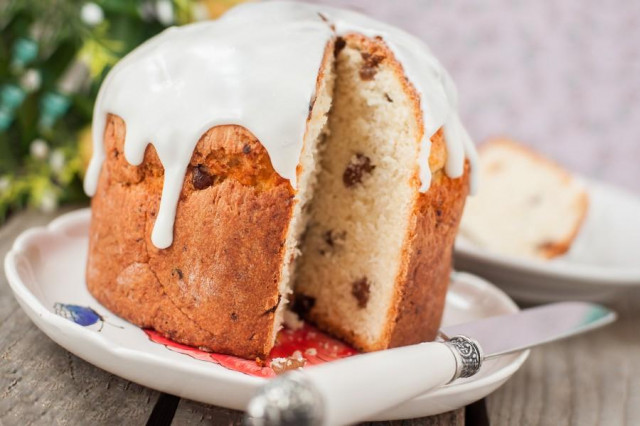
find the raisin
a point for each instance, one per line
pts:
(234, 316)
(339, 45)
(357, 167)
(201, 178)
(367, 72)
(332, 238)
(302, 304)
(360, 289)
(246, 149)
(177, 272)
(388, 98)
(328, 238)
(369, 66)
(311, 103)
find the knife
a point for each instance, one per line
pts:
(352, 389)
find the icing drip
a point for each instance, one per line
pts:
(255, 67)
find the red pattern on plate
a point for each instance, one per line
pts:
(315, 346)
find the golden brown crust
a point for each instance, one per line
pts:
(220, 231)
(422, 285)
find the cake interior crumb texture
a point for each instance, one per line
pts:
(528, 206)
(308, 170)
(352, 247)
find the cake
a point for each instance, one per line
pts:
(285, 154)
(529, 206)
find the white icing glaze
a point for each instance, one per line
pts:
(255, 67)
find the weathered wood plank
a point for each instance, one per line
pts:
(41, 383)
(588, 380)
(193, 413)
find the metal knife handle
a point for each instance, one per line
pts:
(352, 389)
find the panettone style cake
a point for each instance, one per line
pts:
(284, 154)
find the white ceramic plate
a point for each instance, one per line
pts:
(604, 260)
(46, 267)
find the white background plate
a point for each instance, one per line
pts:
(603, 263)
(46, 266)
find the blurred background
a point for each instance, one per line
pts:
(562, 77)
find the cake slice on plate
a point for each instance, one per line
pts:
(529, 206)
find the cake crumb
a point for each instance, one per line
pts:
(292, 321)
(293, 362)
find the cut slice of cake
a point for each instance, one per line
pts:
(376, 256)
(529, 206)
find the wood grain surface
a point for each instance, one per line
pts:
(592, 379)
(193, 413)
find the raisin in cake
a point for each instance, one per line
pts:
(285, 151)
(529, 206)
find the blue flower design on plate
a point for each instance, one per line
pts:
(81, 315)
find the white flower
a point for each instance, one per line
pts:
(4, 184)
(200, 12)
(39, 149)
(31, 80)
(164, 12)
(57, 161)
(48, 202)
(147, 12)
(91, 14)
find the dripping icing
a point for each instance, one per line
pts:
(255, 67)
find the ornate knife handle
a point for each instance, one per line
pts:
(468, 355)
(355, 388)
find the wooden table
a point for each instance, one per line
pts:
(589, 380)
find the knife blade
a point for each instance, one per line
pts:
(355, 388)
(532, 327)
